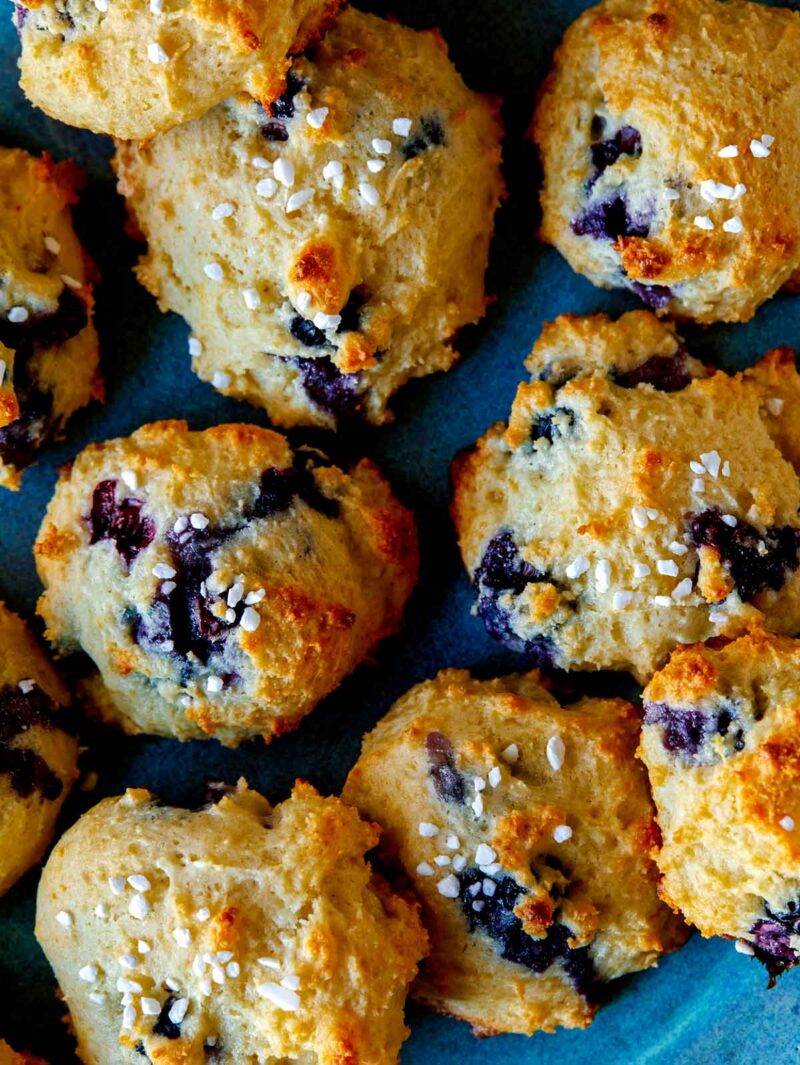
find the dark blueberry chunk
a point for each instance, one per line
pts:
(332, 391)
(553, 425)
(429, 135)
(307, 333)
(496, 918)
(22, 438)
(502, 568)
(122, 522)
(754, 561)
(192, 627)
(276, 493)
(655, 296)
(47, 330)
(772, 936)
(164, 1026)
(610, 220)
(20, 711)
(501, 571)
(447, 780)
(667, 373)
(273, 130)
(283, 107)
(153, 631)
(279, 488)
(691, 732)
(626, 141)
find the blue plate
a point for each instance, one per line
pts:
(705, 1004)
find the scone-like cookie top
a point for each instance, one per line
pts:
(632, 503)
(221, 582)
(721, 742)
(527, 830)
(259, 932)
(38, 752)
(133, 70)
(668, 131)
(48, 346)
(328, 249)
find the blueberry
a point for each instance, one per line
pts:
(280, 487)
(553, 425)
(655, 296)
(22, 438)
(429, 135)
(20, 711)
(447, 780)
(164, 1026)
(611, 219)
(754, 560)
(272, 130)
(502, 571)
(20, 17)
(496, 919)
(122, 522)
(307, 333)
(283, 107)
(772, 939)
(626, 141)
(667, 373)
(691, 732)
(331, 390)
(47, 330)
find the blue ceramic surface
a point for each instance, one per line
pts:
(704, 1005)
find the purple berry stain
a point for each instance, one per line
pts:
(693, 733)
(123, 522)
(666, 373)
(772, 937)
(447, 781)
(496, 918)
(755, 560)
(501, 572)
(26, 770)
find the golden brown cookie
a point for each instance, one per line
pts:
(221, 582)
(236, 933)
(668, 133)
(527, 831)
(327, 250)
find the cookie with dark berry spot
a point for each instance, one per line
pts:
(335, 241)
(235, 933)
(667, 132)
(132, 70)
(221, 582)
(48, 345)
(38, 749)
(635, 500)
(720, 742)
(527, 831)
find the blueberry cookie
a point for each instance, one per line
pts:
(38, 749)
(48, 346)
(236, 933)
(527, 831)
(721, 745)
(634, 501)
(221, 583)
(667, 133)
(325, 249)
(133, 69)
